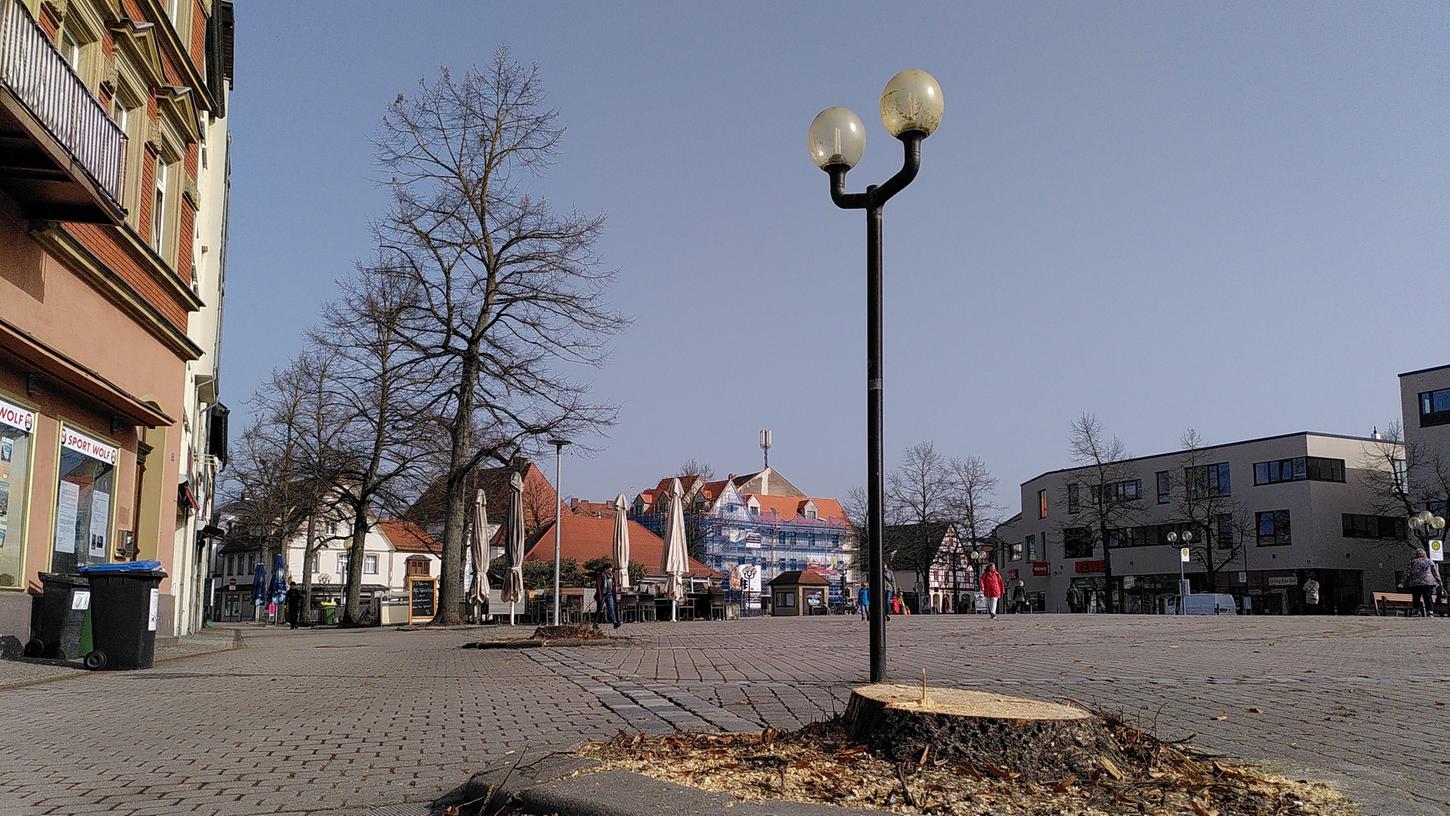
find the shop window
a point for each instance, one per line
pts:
(16, 425)
(87, 476)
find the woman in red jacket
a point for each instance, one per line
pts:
(992, 588)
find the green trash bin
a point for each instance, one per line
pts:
(329, 612)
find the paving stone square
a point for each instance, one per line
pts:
(332, 721)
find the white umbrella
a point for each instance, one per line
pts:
(478, 557)
(621, 541)
(676, 562)
(513, 588)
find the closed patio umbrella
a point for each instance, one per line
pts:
(259, 591)
(513, 586)
(676, 563)
(279, 580)
(478, 557)
(621, 541)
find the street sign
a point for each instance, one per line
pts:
(1437, 549)
(1183, 554)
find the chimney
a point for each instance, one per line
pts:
(1375, 434)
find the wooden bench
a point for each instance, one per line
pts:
(1398, 603)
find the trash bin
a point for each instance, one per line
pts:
(124, 599)
(58, 628)
(329, 612)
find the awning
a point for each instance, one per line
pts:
(184, 497)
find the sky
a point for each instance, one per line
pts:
(1226, 216)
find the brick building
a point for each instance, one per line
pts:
(107, 108)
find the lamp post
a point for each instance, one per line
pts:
(558, 514)
(1173, 538)
(1428, 526)
(911, 108)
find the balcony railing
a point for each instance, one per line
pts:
(35, 72)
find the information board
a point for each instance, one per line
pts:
(422, 599)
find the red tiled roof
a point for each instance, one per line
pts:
(580, 507)
(407, 536)
(711, 490)
(788, 507)
(585, 538)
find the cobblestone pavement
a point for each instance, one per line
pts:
(331, 721)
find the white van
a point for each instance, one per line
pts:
(1205, 603)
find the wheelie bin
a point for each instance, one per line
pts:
(124, 601)
(58, 628)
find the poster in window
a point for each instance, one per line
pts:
(66, 511)
(100, 521)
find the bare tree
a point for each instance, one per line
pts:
(695, 467)
(510, 293)
(918, 494)
(1402, 479)
(972, 490)
(1221, 525)
(1100, 458)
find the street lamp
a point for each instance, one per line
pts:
(911, 108)
(1173, 538)
(558, 513)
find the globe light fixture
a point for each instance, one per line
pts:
(911, 108)
(836, 138)
(911, 102)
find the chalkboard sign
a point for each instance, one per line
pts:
(422, 599)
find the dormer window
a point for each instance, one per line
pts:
(810, 510)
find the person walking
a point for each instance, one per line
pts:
(863, 600)
(1422, 581)
(1311, 595)
(1019, 597)
(992, 588)
(606, 594)
(295, 600)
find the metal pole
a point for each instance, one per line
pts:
(875, 468)
(558, 518)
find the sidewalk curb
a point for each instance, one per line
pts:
(562, 784)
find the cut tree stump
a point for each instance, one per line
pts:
(1011, 737)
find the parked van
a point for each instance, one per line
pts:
(1205, 603)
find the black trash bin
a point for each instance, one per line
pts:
(57, 629)
(124, 600)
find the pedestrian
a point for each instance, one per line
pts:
(1019, 597)
(863, 600)
(1422, 581)
(295, 600)
(606, 595)
(992, 588)
(1311, 595)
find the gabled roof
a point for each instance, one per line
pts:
(539, 497)
(584, 538)
(408, 537)
(799, 578)
(913, 546)
(791, 507)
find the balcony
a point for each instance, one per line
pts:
(62, 157)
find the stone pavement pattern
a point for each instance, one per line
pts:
(331, 721)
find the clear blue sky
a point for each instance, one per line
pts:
(1225, 216)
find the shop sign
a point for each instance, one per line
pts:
(1040, 569)
(16, 417)
(82, 444)
(1243, 577)
(1089, 566)
(1282, 580)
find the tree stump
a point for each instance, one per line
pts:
(1003, 736)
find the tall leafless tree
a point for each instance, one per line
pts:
(511, 295)
(972, 491)
(1221, 524)
(1100, 459)
(918, 494)
(1402, 479)
(696, 467)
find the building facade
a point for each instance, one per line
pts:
(105, 106)
(1425, 402)
(1264, 514)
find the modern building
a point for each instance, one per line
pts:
(105, 108)
(1264, 513)
(755, 527)
(1425, 401)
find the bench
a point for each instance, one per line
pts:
(1392, 603)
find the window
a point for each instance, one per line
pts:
(1273, 526)
(370, 565)
(1074, 501)
(1132, 537)
(1164, 486)
(1435, 408)
(1402, 476)
(1016, 554)
(16, 424)
(1388, 528)
(1224, 522)
(1120, 492)
(158, 206)
(1298, 469)
(312, 563)
(342, 568)
(1207, 480)
(83, 502)
(1042, 504)
(418, 565)
(1032, 548)
(1077, 542)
